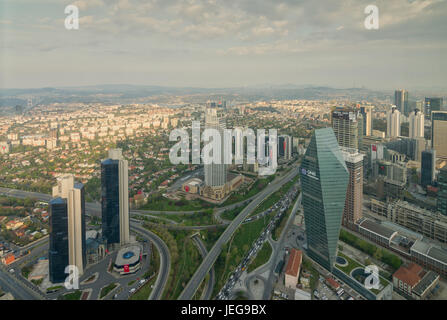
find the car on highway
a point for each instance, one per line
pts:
(132, 290)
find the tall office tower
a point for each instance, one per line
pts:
(354, 195)
(67, 228)
(401, 101)
(115, 198)
(393, 123)
(324, 181)
(417, 121)
(442, 193)
(215, 173)
(285, 147)
(345, 124)
(439, 133)
(366, 112)
(432, 104)
(428, 166)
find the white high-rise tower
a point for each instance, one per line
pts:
(417, 120)
(393, 123)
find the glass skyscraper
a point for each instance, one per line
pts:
(442, 194)
(110, 201)
(324, 180)
(115, 198)
(67, 228)
(58, 251)
(428, 166)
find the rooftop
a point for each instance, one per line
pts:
(377, 228)
(410, 274)
(294, 263)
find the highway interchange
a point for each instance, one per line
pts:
(22, 289)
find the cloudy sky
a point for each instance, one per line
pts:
(224, 43)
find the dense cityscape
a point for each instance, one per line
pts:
(92, 186)
(235, 159)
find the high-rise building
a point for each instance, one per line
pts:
(393, 123)
(432, 104)
(366, 112)
(58, 250)
(324, 180)
(401, 101)
(354, 195)
(285, 147)
(115, 198)
(428, 166)
(416, 125)
(439, 133)
(67, 228)
(347, 127)
(442, 193)
(215, 173)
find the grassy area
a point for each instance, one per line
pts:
(144, 292)
(131, 283)
(262, 257)
(210, 236)
(231, 214)
(242, 195)
(351, 264)
(185, 258)
(233, 252)
(308, 266)
(370, 249)
(55, 288)
(76, 295)
(106, 290)
(26, 270)
(160, 203)
(275, 197)
(197, 219)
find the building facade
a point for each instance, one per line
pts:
(69, 213)
(324, 180)
(347, 124)
(439, 133)
(393, 123)
(215, 173)
(442, 193)
(428, 167)
(432, 104)
(401, 101)
(354, 196)
(416, 124)
(115, 199)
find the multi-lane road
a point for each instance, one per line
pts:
(207, 293)
(215, 251)
(27, 291)
(24, 292)
(165, 260)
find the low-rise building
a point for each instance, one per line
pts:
(414, 282)
(293, 268)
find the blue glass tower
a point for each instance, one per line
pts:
(324, 181)
(110, 201)
(58, 251)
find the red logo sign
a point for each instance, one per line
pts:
(187, 188)
(126, 268)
